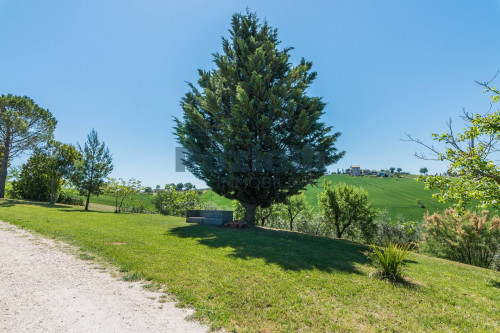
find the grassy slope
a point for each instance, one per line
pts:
(141, 197)
(258, 280)
(398, 195)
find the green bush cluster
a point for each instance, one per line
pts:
(399, 231)
(170, 201)
(70, 198)
(469, 237)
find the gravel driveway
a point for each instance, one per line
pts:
(45, 288)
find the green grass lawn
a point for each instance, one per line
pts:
(110, 201)
(397, 195)
(261, 280)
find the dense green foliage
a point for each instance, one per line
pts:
(398, 231)
(92, 169)
(250, 130)
(469, 238)
(389, 260)
(472, 155)
(23, 126)
(170, 201)
(34, 183)
(345, 208)
(249, 280)
(69, 197)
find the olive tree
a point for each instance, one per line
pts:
(347, 210)
(121, 190)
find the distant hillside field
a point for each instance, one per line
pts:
(141, 197)
(397, 195)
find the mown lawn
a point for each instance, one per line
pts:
(397, 195)
(144, 198)
(260, 280)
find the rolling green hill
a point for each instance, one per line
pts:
(141, 197)
(397, 195)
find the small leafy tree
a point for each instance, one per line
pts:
(346, 208)
(92, 169)
(179, 186)
(392, 169)
(473, 158)
(423, 171)
(24, 126)
(33, 183)
(250, 129)
(189, 186)
(46, 171)
(148, 190)
(121, 190)
(294, 206)
(173, 202)
(399, 170)
(61, 165)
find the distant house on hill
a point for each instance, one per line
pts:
(366, 172)
(355, 170)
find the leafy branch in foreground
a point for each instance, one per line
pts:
(473, 157)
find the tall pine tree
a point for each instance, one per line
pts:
(94, 166)
(249, 128)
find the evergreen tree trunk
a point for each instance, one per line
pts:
(3, 171)
(249, 213)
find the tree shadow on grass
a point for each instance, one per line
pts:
(58, 206)
(290, 250)
(7, 203)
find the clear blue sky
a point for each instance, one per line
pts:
(120, 66)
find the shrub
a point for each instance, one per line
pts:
(389, 260)
(70, 198)
(496, 261)
(469, 238)
(399, 231)
(173, 202)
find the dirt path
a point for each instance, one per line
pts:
(44, 288)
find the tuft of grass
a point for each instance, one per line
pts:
(86, 256)
(152, 286)
(389, 260)
(254, 279)
(132, 277)
(124, 268)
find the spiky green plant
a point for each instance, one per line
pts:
(389, 259)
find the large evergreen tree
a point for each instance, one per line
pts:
(95, 165)
(250, 130)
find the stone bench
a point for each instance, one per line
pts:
(212, 217)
